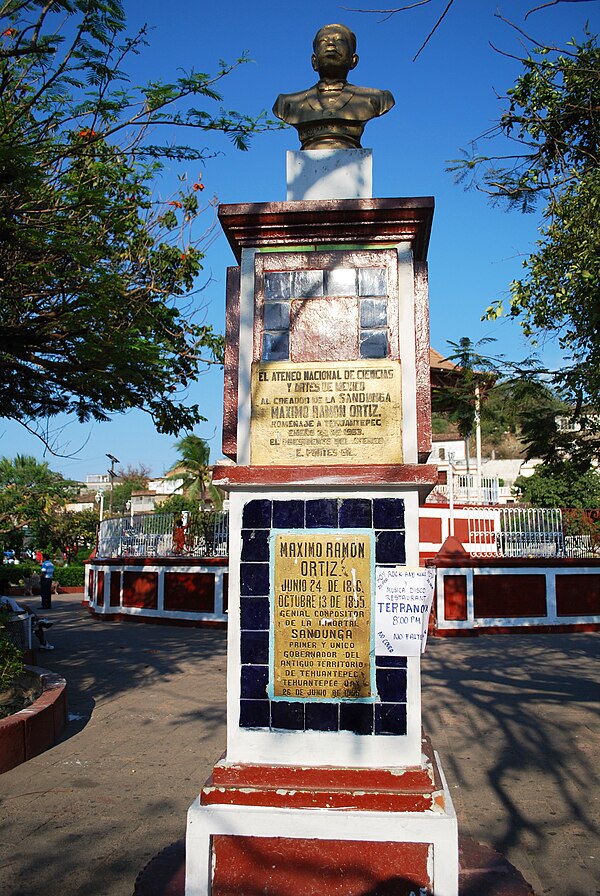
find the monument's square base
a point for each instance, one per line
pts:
(287, 831)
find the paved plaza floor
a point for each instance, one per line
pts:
(515, 719)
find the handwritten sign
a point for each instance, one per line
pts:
(403, 602)
(343, 412)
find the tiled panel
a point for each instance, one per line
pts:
(140, 589)
(115, 588)
(190, 593)
(386, 517)
(509, 596)
(372, 282)
(100, 589)
(455, 598)
(578, 595)
(278, 285)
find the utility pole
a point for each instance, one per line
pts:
(113, 460)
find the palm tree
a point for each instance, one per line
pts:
(193, 467)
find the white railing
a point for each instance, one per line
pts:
(524, 532)
(153, 535)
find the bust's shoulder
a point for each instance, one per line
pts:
(381, 100)
(287, 103)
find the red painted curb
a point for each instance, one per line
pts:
(35, 729)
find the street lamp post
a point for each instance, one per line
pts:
(100, 500)
(113, 460)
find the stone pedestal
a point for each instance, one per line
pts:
(329, 174)
(327, 785)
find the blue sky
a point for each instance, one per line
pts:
(443, 100)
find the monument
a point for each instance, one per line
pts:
(328, 784)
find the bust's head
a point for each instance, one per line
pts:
(334, 52)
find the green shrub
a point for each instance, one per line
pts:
(70, 576)
(11, 660)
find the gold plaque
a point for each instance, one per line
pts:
(322, 616)
(343, 412)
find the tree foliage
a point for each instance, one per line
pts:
(193, 467)
(561, 484)
(552, 125)
(30, 494)
(98, 310)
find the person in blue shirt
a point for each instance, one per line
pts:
(46, 575)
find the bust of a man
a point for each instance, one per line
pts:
(333, 113)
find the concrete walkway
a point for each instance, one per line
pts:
(516, 720)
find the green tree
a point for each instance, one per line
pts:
(561, 484)
(70, 531)
(551, 128)
(130, 480)
(98, 310)
(193, 467)
(30, 495)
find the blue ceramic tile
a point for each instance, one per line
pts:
(390, 718)
(254, 646)
(389, 547)
(287, 715)
(257, 515)
(278, 285)
(254, 713)
(340, 282)
(253, 682)
(277, 316)
(357, 717)
(391, 685)
(372, 282)
(255, 545)
(322, 716)
(254, 613)
(288, 514)
(388, 513)
(373, 313)
(322, 513)
(307, 284)
(254, 578)
(373, 343)
(355, 513)
(276, 346)
(390, 662)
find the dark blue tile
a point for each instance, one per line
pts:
(307, 284)
(288, 514)
(254, 646)
(257, 515)
(322, 513)
(373, 344)
(254, 713)
(372, 281)
(254, 578)
(391, 685)
(373, 313)
(389, 547)
(277, 316)
(287, 715)
(355, 513)
(253, 682)
(390, 718)
(276, 346)
(388, 513)
(255, 545)
(390, 662)
(254, 613)
(357, 717)
(322, 716)
(278, 285)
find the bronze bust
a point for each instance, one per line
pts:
(333, 113)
